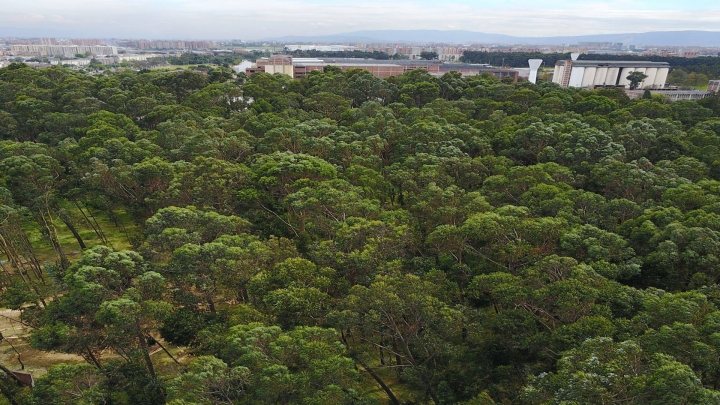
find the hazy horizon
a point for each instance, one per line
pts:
(51, 34)
(239, 19)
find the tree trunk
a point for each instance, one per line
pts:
(398, 361)
(92, 221)
(68, 222)
(211, 304)
(94, 359)
(148, 360)
(165, 350)
(47, 223)
(390, 394)
(16, 262)
(244, 297)
(118, 223)
(30, 255)
(11, 374)
(146, 351)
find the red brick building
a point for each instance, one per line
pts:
(301, 67)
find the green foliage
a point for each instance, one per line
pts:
(601, 370)
(67, 384)
(635, 78)
(428, 55)
(261, 364)
(199, 237)
(192, 58)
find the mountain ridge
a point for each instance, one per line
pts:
(652, 38)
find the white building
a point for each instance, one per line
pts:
(447, 54)
(244, 65)
(35, 50)
(62, 50)
(135, 58)
(72, 62)
(591, 73)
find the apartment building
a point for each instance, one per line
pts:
(445, 54)
(170, 44)
(714, 86)
(61, 50)
(71, 62)
(86, 42)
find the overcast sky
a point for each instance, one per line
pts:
(253, 19)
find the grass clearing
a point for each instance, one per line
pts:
(116, 235)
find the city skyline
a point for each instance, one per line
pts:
(252, 20)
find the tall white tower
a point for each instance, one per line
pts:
(534, 65)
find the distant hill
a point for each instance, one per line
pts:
(18, 32)
(670, 38)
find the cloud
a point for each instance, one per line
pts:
(254, 19)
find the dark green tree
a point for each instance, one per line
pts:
(635, 78)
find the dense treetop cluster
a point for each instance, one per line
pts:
(191, 58)
(344, 239)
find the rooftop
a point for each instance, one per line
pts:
(343, 64)
(618, 64)
(673, 91)
(401, 62)
(463, 66)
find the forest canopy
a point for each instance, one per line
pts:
(203, 237)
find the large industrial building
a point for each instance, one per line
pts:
(593, 73)
(300, 67)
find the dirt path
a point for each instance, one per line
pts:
(15, 335)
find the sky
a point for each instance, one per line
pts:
(256, 19)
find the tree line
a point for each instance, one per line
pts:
(192, 58)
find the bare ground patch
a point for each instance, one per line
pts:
(15, 350)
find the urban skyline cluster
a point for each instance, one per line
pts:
(168, 44)
(445, 51)
(82, 52)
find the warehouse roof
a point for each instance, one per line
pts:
(361, 61)
(345, 64)
(467, 66)
(619, 64)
